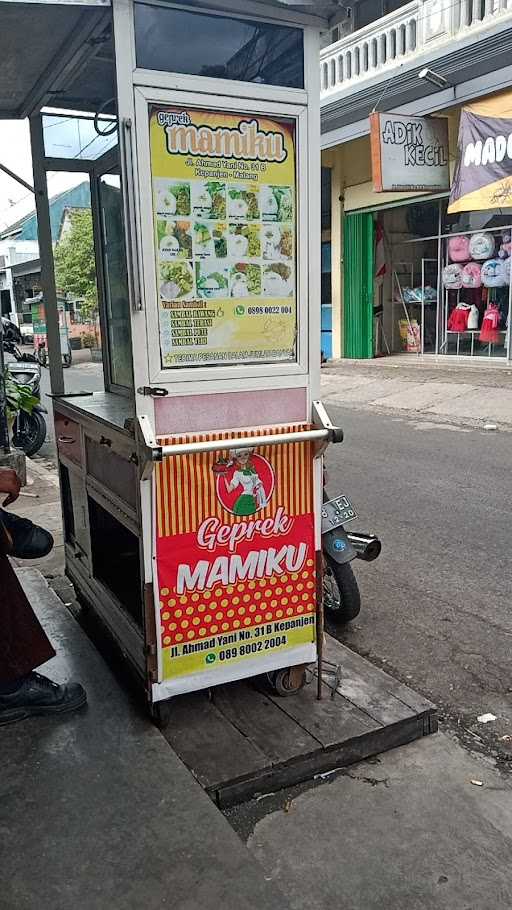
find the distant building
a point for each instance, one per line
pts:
(20, 269)
(385, 245)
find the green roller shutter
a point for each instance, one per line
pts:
(358, 258)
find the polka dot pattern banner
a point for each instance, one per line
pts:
(236, 561)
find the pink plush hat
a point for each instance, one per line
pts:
(471, 275)
(458, 248)
(452, 277)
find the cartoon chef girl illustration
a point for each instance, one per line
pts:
(245, 481)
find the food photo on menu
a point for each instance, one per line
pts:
(244, 241)
(277, 280)
(243, 203)
(212, 278)
(245, 279)
(210, 239)
(172, 197)
(208, 199)
(176, 280)
(174, 239)
(277, 241)
(276, 203)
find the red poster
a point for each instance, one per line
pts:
(235, 554)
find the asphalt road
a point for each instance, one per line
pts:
(437, 606)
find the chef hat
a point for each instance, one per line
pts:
(481, 246)
(452, 277)
(471, 275)
(458, 248)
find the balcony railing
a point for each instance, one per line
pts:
(418, 27)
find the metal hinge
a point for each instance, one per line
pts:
(154, 392)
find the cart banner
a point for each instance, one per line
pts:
(235, 562)
(224, 211)
(483, 173)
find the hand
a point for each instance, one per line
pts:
(10, 484)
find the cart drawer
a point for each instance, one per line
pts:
(67, 435)
(114, 473)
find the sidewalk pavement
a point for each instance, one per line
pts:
(97, 811)
(450, 393)
(40, 501)
(424, 827)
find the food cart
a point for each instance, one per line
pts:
(192, 487)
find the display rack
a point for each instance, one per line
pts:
(398, 292)
(445, 333)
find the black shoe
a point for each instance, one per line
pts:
(39, 695)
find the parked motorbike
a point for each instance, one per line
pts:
(341, 597)
(11, 331)
(42, 355)
(29, 431)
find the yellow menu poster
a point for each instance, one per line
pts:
(224, 208)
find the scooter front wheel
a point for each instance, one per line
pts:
(29, 432)
(342, 600)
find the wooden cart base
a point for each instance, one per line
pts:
(240, 740)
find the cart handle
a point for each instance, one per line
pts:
(247, 442)
(324, 433)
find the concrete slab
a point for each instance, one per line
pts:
(478, 404)
(409, 833)
(420, 396)
(367, 390)
(97, 812)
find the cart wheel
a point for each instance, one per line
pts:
(161, 714)
(287, 681)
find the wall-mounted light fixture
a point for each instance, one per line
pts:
(434, 78)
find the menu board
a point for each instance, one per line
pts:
(224, 210)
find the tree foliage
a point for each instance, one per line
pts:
(75, 268)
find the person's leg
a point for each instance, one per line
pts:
(24, 646)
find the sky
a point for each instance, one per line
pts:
(15, 200)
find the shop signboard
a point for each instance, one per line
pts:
(409, 154)
(483, 173)
(235, 562)
(224, 212)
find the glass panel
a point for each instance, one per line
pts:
(447, 292)
(406, 279)
(178, 41)
(115, 280)
(77, 137)
(77, 291)
(224, 208)
(476, 282)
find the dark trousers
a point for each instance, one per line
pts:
(23, 643)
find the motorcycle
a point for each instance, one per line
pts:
(11, 331)
(29, 431)
(341, 596)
